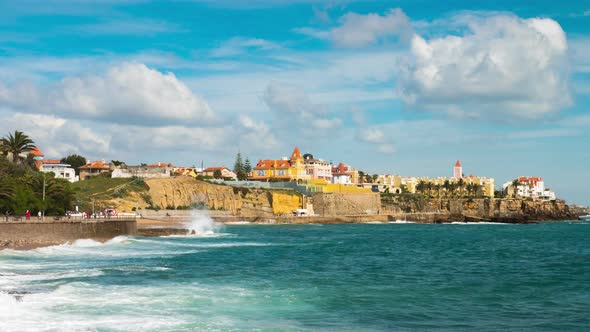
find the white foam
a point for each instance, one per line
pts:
(202, 225)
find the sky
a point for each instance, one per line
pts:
(391, 87)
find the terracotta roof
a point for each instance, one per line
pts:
(296, 154)
(98, 164)
(160, 165)
(51, 161)
(221, 168)
(458, 164)
(36, 152)
(272, 163)
(339, 170)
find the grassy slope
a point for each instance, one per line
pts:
(101, 188)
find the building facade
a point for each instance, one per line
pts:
(317, 169)
(341, 174)
(529, 187)
(225, 172)
(286, 169)
(94, 168)
(142, 171)
(61, 171)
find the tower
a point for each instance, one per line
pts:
(458, 170)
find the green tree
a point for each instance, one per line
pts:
(447, 187)
(239, 168)
(374, 178)
(421, 186)
(17, 143)
(247, 166)
(361, 177)
(75, 161)
(460, 186)
(115, 162)
(239, 164)
(217, 174)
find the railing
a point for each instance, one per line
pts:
(65, 218)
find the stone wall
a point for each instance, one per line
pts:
(56, 232)
(341, 204)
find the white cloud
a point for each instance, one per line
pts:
(55, 136)
(240, 45)
(502, 66)
(130, 26)
(357, 30)
(128, 93)
(374, 135)
(292, 104)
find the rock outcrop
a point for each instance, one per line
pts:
(502, 210)
(186, 192)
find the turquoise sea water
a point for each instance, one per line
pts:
(369, 277)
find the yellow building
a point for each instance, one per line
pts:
(458, 185)
(292, 169)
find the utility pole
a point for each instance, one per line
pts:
(43, 213)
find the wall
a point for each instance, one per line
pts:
(53, 232)
(340, 204)
(141, 171)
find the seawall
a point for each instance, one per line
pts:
(31, 234)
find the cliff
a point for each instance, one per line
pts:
(501, 210)
(186, 193)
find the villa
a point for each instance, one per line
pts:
(529, 187)
(94, 168)
(61, 170)
(286, 169)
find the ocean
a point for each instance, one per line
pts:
(353, 277)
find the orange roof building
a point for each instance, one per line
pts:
(94, 168)
(292, 169)
(36, 152)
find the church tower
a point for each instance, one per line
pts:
(458, 170)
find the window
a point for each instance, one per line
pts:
(260, 173)
(281, 172)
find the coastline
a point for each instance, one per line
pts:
(154, 227)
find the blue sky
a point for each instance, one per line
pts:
(401, 87)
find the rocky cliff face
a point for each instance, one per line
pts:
(187, 192)
(484, 208)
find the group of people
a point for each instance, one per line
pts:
(28, 215)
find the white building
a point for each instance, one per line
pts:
(147, 171)
(533, 187)
(341, 174)
(61, 171)
(317, 168)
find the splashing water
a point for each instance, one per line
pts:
(201, 224)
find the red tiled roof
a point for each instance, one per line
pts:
(96, 165)
(339, 170)
(160, 165)
(458, 164)
(221, 168)
(296, 154)
(51, 161)
(36, 152)
(271, 163)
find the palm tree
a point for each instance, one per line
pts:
(461, 185)
(515, 185)
(17, 144)
(6, 189)
(421, 186)
(429, 186)
(438, 187)
(361, 177)
(446, 186)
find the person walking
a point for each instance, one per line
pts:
(28, 215)
(39, 215)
